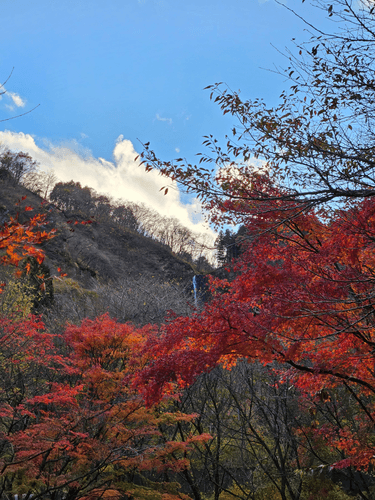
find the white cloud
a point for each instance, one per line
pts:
(14, 100)
(177, 150)
(123, 178)
(18, 101)
(160, 119)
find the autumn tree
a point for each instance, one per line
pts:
(19, 240)
(316, 145)
(300, 179)
(70, 423)
(307, 303)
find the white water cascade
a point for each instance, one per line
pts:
(200, 289)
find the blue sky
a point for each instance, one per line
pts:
(109, 73)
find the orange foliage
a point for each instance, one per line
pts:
(18, 240)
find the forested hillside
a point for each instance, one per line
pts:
(117, 257)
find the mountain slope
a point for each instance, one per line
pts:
(98, 251)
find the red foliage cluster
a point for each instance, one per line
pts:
(71, 422)
(303, 297)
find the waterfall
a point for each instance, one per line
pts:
(195, 290)
(200, 289)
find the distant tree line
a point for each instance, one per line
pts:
(229, 245)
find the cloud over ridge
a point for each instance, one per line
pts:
(123, 178)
